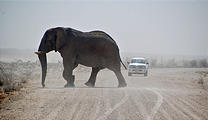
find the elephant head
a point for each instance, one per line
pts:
(53, 39)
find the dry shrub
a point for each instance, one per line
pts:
(203, 79)
(193, 64)
(203, 63)
(12, 75)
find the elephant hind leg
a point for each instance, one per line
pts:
(92, 79)
(121, 80)
(116, 68)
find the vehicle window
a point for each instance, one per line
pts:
(138, 61)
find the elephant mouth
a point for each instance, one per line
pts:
(40, 52)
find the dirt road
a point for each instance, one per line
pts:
(166, 94)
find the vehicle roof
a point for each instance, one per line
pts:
(138, 58)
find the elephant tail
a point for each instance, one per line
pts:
(123, 64)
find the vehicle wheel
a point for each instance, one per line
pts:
(145, 74)
(129, 74)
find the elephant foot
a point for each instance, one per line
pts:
(122, 85)
(43, 85)
(89, 84)
(69, 85)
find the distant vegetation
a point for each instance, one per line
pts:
(200, 63)
(175, 63)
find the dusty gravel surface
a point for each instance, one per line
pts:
(166, 94)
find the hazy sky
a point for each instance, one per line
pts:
(143, 26)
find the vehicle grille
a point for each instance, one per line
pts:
(137, 67)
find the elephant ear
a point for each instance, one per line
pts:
(60, 38)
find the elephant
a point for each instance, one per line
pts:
(95, 49)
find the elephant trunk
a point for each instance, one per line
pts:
(43, 62)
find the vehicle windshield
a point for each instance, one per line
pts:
(138, 61)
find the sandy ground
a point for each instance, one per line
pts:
(166, 94)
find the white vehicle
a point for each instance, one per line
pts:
(138, 66)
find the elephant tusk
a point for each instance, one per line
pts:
(39, 52)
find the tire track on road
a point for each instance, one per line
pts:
(52, 115)
(142, 110)
(108, 112)
(126, 97)
(97, 110)
(157, 105)
(61, 105)
(185, 109)
(159, 101)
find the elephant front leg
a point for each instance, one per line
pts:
(69, 78)
(67, 73)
